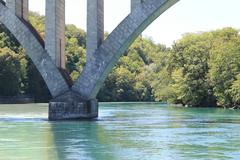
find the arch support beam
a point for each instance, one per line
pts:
(106, 56)
(34, 49)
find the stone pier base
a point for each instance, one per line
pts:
(73, 110)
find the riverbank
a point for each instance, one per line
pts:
(21, 99)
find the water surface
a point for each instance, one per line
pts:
(123, 131)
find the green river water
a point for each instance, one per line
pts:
(123, 131)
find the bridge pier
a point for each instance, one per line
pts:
(70, 107)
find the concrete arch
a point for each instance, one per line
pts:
(34, 47)
(104, 59)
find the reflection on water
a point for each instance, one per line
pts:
(123, 131)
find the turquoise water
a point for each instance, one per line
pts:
(123, 131)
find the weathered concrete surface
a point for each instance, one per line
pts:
(55, 31)
(106, 56)
(135, 3)
(18, 7)
(71, 111)
(70, 106)
(34, 49)
(95, 27)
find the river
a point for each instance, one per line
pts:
(123, 131)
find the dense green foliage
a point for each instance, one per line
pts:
(10, 72)
(75, 50)
(200, 69)
(38, 22)
(128, 79)
(12, 65)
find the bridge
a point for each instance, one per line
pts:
(77, 100)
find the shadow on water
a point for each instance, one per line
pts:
(76, 140)
(24, 138)
(35, 138)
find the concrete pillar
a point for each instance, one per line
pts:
(55, 31)
(19, 7)
(134, 3)
(95, 26)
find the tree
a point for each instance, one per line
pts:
(38, 22)
(10, 74)
(235, 91)
(75, 50)
(225, 65)
(127, 81)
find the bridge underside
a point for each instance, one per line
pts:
(79, 100)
